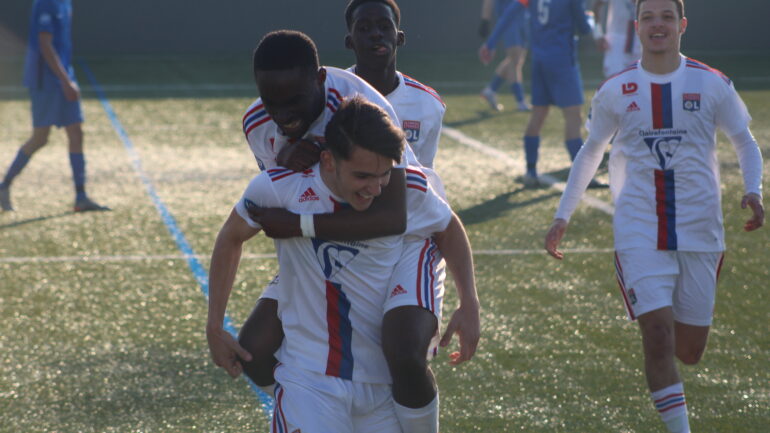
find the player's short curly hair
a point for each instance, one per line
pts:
(359, 122)
(285, 49)
(356, 3)
(679, 6)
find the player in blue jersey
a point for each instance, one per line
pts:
(55, 96)
(555, 69)
(515, 40)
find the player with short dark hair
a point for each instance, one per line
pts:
(411, 330)
(333, 375)
(664, 178)
(374, 36)
(55, 96)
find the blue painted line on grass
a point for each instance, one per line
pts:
(200, 274)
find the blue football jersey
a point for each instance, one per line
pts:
(553, 25)
(49, 16)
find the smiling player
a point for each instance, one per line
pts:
(664, 177)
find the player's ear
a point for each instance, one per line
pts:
(321, 78)
(327, 161)
(400, 38)
(348, 42)
(682, 25)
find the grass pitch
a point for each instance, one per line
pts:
(102, 321)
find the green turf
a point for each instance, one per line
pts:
(95, 345)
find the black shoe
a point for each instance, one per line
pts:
(5, 199)
(87, 205)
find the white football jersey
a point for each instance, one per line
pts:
(266, 140)
(624, 45)
(664, 173)
(421, 111)
(620, 16)
(331, 294)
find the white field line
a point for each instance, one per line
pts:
(518, 166)
(167, 257)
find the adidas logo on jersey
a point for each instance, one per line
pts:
(308, 195)
(632, 107)
(398, 291)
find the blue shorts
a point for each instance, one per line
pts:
(556, 82)
(50, 107)
(516, 34)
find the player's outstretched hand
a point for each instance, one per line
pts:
(299, 156)
(277, 223)
(466, 324)
(553, 237)
(225, 351)
(485, 54)
(757, 220)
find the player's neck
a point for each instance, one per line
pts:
(661, 63)
(385, 80)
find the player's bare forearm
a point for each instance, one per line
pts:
(465, 321)
(456, 249)
(385, 217)
(48, 52)
(225, 259)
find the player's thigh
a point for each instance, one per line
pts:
(413, 307)
(695, 292)
(263, 332)
(647, 279)
(565, 84)
(541, 94)
(373, 410)
(311, 402)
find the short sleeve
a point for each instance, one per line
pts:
(261, 193)
(46, 15)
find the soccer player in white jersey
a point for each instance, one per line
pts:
(333, 375)
(262, 330)
(664, 177)
(374, 36)
(618, 39)
(285, 127)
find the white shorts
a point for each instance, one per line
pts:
(312, 402)
(418, 280)
(654, 279)
(616, 58)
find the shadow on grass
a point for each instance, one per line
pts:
(481, 116)
(34, 220)
(500, 205)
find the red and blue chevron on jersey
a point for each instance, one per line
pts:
(279, 173)
(266, 140)
(416, 179)
(256, 115)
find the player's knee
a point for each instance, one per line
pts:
(690, 355)
(659, 340)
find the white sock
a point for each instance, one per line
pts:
(419, 420)
(672, 408)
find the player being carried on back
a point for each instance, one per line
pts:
(301, 105)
